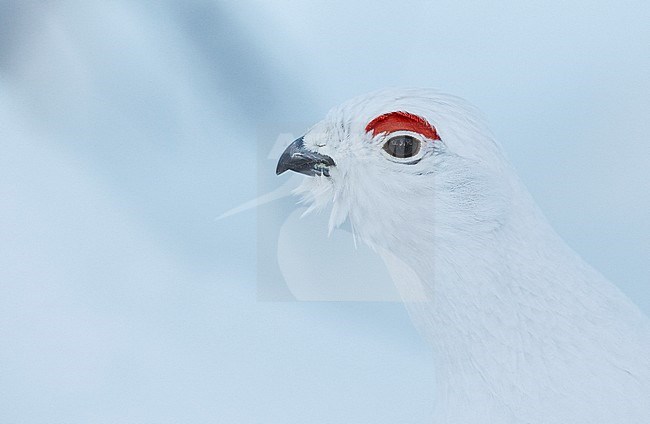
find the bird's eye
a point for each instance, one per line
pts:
(402, 146)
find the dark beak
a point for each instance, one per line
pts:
(297, 158)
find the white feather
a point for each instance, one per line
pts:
(523, 330)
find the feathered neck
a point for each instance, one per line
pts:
(521, 327)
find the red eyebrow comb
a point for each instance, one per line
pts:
(401, 121)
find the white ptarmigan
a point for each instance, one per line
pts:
(523, 330)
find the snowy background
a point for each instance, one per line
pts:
(127, 127)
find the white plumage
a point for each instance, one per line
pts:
(523, 330)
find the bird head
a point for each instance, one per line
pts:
(405, 166)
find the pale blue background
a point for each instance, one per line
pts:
(127, 127)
